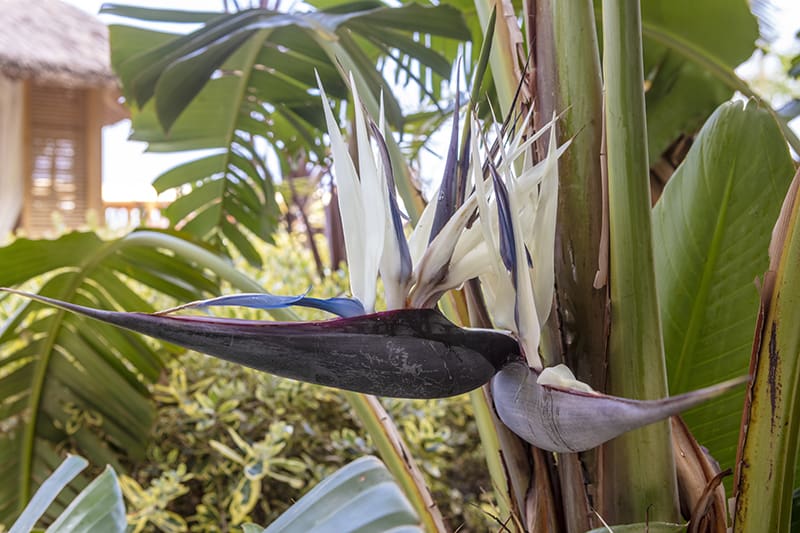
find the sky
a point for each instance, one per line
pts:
(128, 170)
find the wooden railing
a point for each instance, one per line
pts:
(132, 214)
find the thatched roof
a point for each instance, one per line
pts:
(50, 41)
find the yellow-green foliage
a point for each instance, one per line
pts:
(244, 445)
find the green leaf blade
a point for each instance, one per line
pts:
(712, 228)
(63, 380)
(673, 77)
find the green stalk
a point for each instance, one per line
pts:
(639, 480)
(765, 469)
(397, 457)
(503, 56)
(568, 82)
(487, 431)
(509, 482)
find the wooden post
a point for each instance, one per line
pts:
(94, 155)
(27, 157)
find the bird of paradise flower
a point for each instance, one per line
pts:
(502, 233)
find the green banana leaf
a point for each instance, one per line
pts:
(682, 94)
(246, 81)
(62, 380)
(679, 45)
(711, 229)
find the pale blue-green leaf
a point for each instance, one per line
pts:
(48, 492)
(360, 497)
(99, 507)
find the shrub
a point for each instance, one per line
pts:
(232, 445)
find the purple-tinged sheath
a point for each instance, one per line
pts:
(407, 353)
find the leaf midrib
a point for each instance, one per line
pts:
(260, 36)
(82, 272)
(699, 306)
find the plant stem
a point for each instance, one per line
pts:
(568, 82)
(639, 480)
(398, 458)
(503, 57)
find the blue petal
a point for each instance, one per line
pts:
(397, 216)
(508, 250)
(254, 300)
(344, 307)
(447, 203)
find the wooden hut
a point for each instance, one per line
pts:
(57, 91)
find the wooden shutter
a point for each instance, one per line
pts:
(58, 180)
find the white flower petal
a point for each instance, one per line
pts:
(544, 237)
(499, 294)
(562, 377)
(528, 326)
(433, 265)
(418, 240)
(350, 202)
(374, 205)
